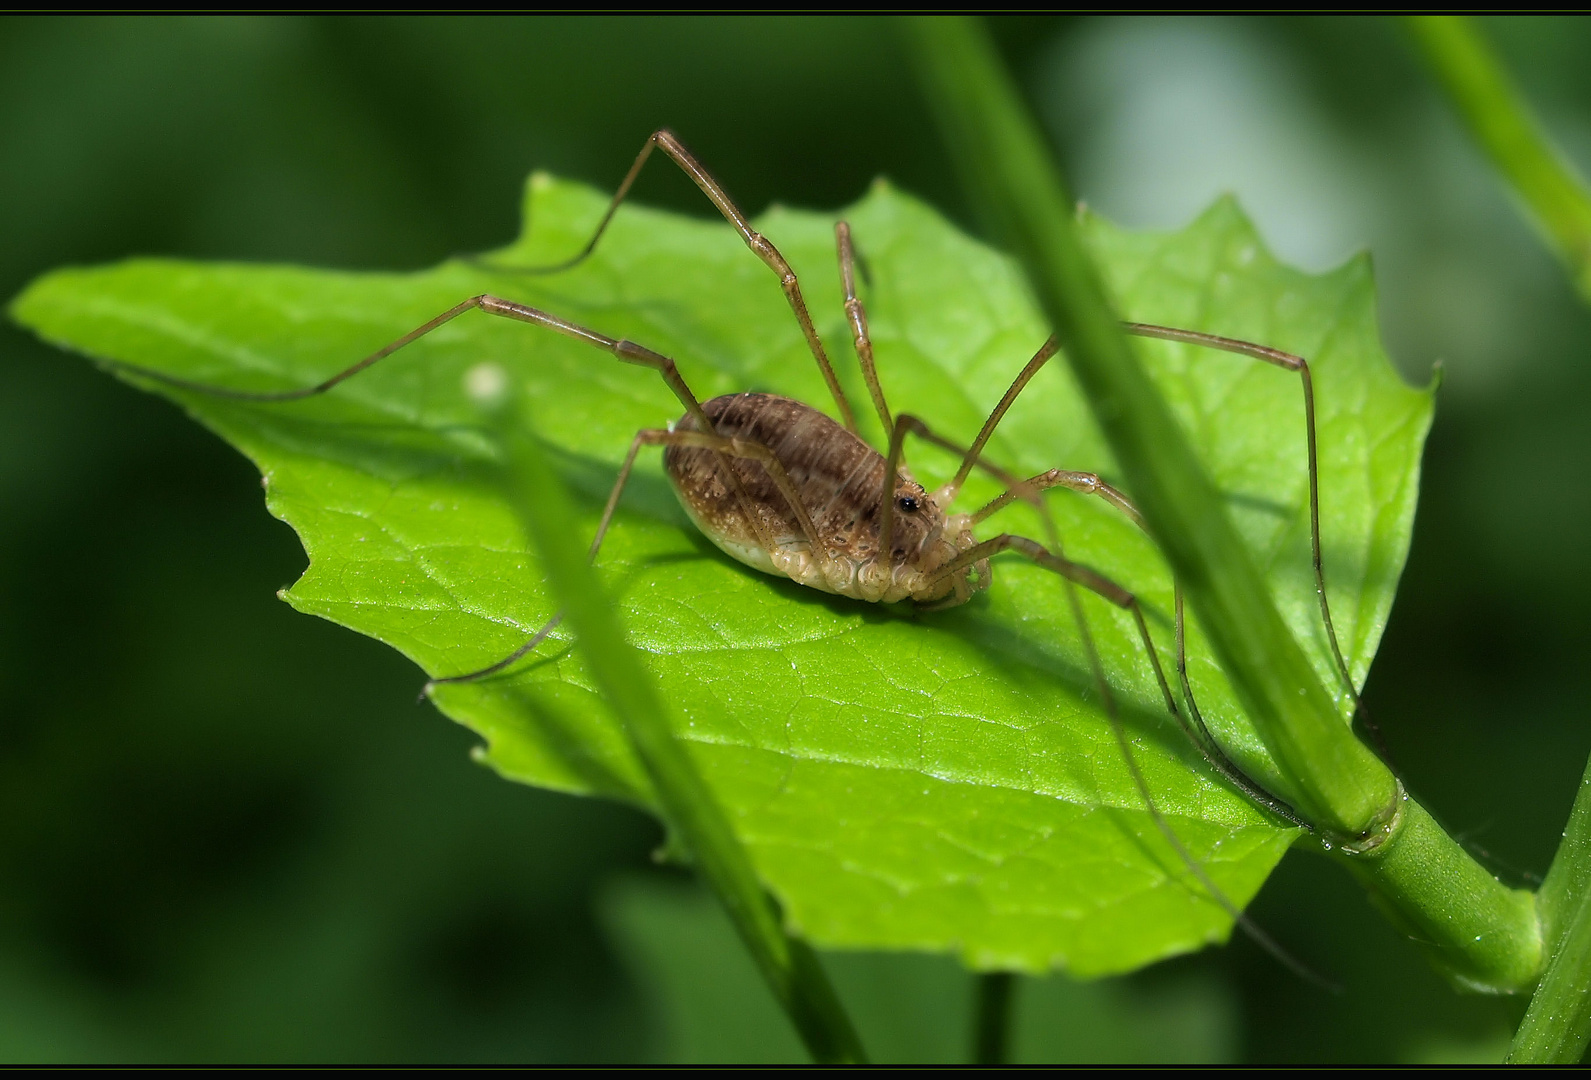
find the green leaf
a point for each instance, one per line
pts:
(903, 780)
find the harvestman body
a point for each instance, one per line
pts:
(783, 488)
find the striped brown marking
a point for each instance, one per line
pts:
(838, 475)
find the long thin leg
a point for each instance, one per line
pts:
(862, 339)
(1285, 360)
(1182, 666)
(1085, 483)
(914, 425)
(907, 424)
(760, 246)
(1030, 490)
(728, 447)
(1102, 586)
(621, 348)
(1122, 598)
(886, 498)
(591, 556)
(506, 662)
(1288, 362)
(857, 315)
(1005, 477)
(947, 493)
(972, 456)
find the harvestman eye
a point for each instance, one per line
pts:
(802, 510)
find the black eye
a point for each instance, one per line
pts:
(907, 504)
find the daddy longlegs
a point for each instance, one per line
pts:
(781, 487)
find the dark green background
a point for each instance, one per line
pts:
(227, 831)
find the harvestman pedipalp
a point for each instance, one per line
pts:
(783, 488)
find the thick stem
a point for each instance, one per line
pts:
(1484, 936)
(1334, 780)
(1557, 1026)
(790, 967)
(1553, 194)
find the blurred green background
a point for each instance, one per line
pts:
(228, 833)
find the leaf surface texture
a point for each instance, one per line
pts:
(904, 780)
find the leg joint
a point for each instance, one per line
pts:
(631, 353)
(748, 449)
(496, 305)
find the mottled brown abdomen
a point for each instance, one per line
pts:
(838, 477)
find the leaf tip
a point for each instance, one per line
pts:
(1438, 373)
(1227, 207)
(22, 308)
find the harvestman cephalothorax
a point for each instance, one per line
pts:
(783, 488)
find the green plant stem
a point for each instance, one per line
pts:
(1484, 934)
(1557, 1026)
(1554, 195)
(991, 1036)
(789, 965)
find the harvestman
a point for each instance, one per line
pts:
(781, 487)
